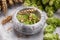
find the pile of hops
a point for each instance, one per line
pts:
(5, 4)
(49, 6)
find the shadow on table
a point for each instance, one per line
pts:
(19, 35)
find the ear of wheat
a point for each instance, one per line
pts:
(4, 4)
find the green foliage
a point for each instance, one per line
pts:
(49, 10)
(50, 13)
(50, 36)
(45, 1)
(57, 4)
(40, 7)
(50, 6)
(39, 2)
(34, 5)
(49, 29)
(51, 2)
(27, 3)
(53, 21)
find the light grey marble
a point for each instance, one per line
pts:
(10, 35)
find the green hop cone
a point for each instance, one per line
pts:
(45, 1)
(50, 36)
(53, 21)
(49, 29)
(57, 4)
(51, 2)
(40, 7)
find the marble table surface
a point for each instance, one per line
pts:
(10, 35)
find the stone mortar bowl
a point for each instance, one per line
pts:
(29, 29)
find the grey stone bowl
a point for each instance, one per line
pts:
(29, 29)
